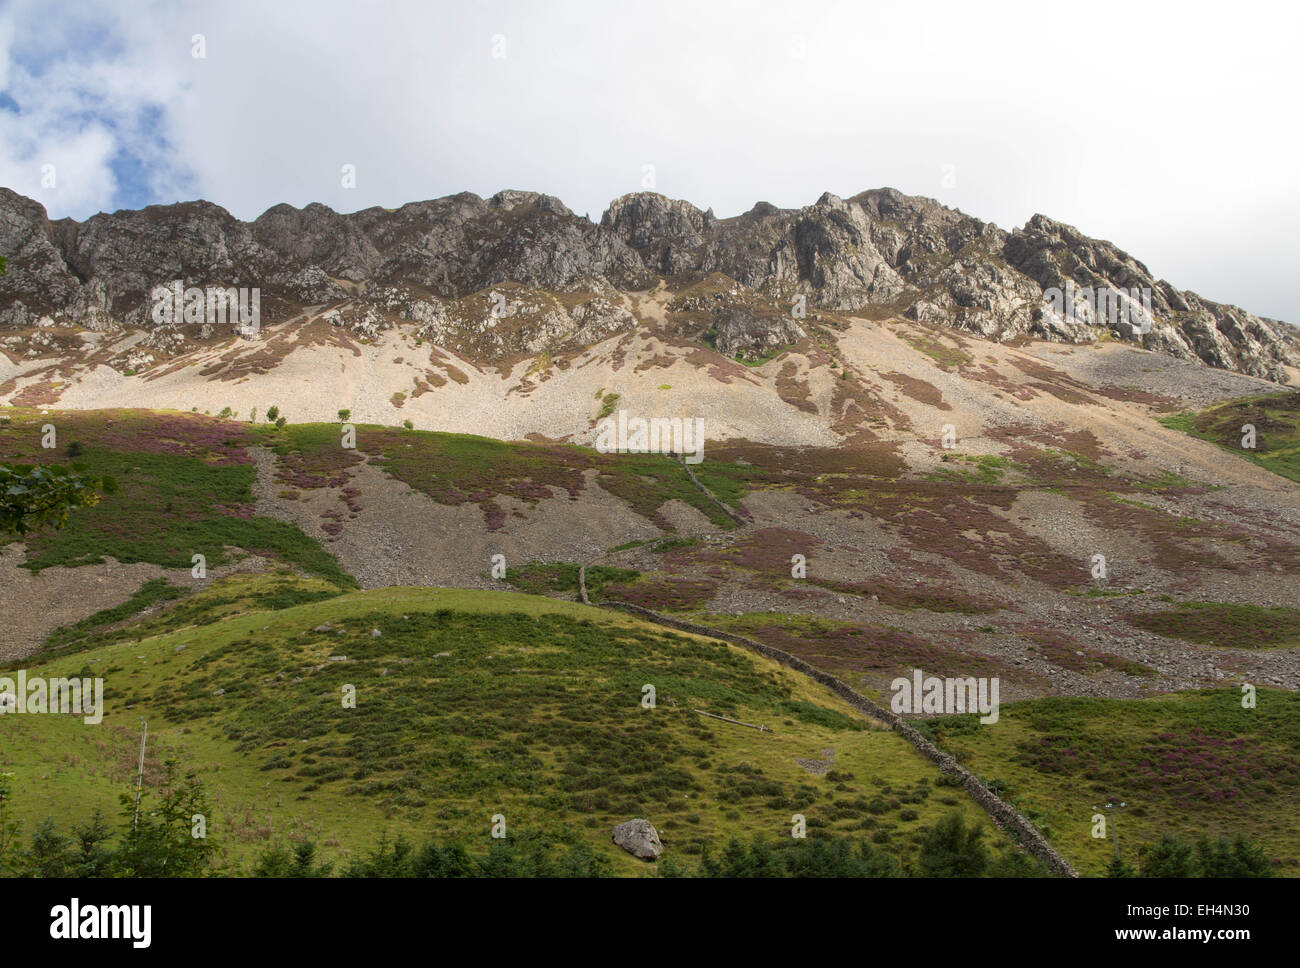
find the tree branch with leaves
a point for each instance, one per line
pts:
(32, 497)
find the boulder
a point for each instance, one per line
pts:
(639, 838)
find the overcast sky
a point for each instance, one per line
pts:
(1168, 129)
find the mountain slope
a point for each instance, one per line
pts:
(975, 561)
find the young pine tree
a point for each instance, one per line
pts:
(951, 849)
(161, 843)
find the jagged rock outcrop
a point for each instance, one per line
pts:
(937, 265)
(743, 334)
(313, 286)
(735, 319)
(645, 220)
(599, 319)
(365, 321)
(38, 274)
(432, 263)
(507, 322)
(1184, 325)
(317, 236)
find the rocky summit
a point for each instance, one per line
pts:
(81, 292)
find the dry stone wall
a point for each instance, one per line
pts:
(1002, 813)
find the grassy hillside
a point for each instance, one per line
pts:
(1275, 417)
(185, 488)
(455, 469)
(1224, 624)
(1190, 763)
(473, 703)
(468, 704)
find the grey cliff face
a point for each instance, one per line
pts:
(1186, 326)
(38, 276)
(427, 262)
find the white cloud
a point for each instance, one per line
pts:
(1166, 133)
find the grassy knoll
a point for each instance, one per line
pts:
(468, 704)
(135, 619)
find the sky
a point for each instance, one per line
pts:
(1168, 129)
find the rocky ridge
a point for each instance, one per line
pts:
(519, 274)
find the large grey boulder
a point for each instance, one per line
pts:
(639, 838)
